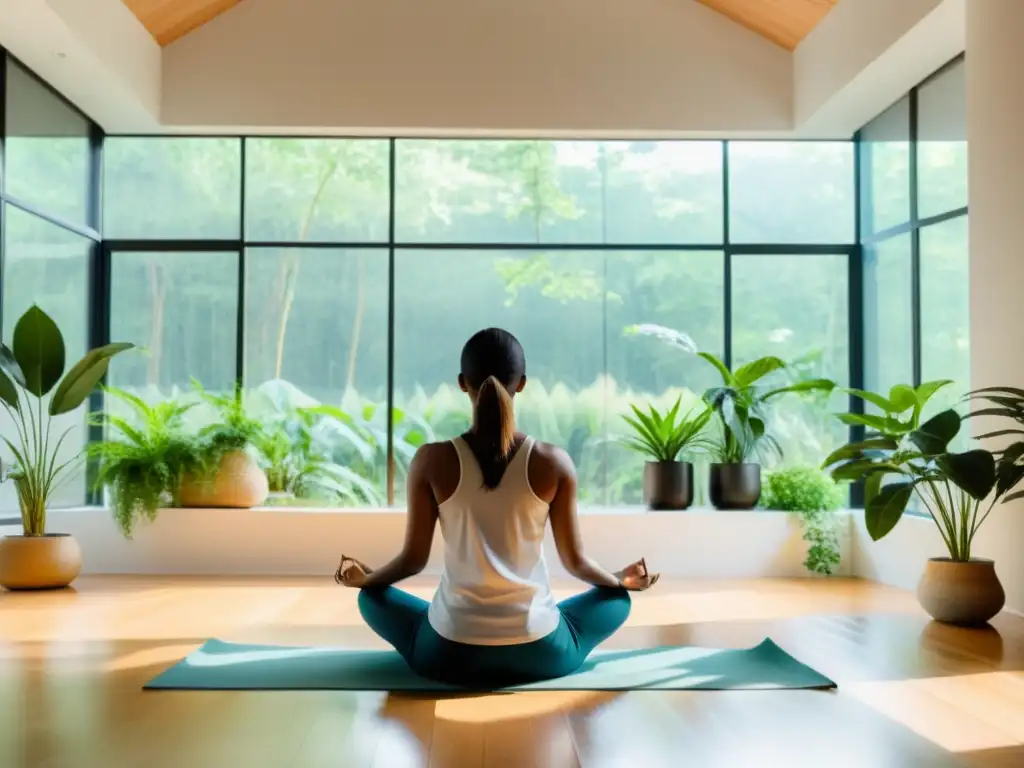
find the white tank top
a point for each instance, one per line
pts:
(494, 589)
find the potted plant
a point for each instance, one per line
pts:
(741, 405)
(815, 497)
(30, 370)
(901, 459)
(668, 482)
(296, 468)
(228, 474)
(144, 459)
(1007, 403)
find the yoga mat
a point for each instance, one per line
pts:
(220, 666)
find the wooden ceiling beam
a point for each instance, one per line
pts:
(168, 20)
(784, 22)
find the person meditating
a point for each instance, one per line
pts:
(493, 621)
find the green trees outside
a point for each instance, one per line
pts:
(316, 310)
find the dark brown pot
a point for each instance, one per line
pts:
(735, 486)
(668, 484)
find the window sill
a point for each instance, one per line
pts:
(586, 511)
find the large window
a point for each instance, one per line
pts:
(347, 276)
(49, 242)
(913, 160)
(338, 278)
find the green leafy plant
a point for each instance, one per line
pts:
(352, 441)
(816, 497)
(662, 437)
(30, 370)
(233, 430)
(144, 457)
(915, 455)
(741, 405)
(297, 466)
(1008, 403)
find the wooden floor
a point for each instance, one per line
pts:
(911, 693)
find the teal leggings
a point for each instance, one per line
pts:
(587, 620)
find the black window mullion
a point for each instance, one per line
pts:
(726, 263)
(915, 242)
(240, 303)
(391, 328)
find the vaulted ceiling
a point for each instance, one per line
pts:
(784, 22)
(167, 20)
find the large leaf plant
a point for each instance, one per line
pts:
(32, 369)
(742, 407)
(1006, 403)
(902, 457)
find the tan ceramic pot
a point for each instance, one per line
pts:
(51, 561)
(239, 483)
(961, 593)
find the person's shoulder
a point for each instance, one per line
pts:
(436, 454)
(553, 457)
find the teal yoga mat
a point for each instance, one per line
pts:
(220, 666)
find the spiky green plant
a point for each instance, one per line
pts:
(144, 457)
(663, 437)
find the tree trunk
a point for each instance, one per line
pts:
(289, 276)
(357, 321)
(158, 291)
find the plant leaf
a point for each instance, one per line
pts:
(8, 392)
(902, 398)
(876, 400)
(723, 370)
(83, 378)
(10, 366)
(974, 471)
(808, 385)
(1001, 433)
(39, 349)
(756, 370)
(880, 424)
(934, 435)
(925, 391)
(886, 508)
(856, 450)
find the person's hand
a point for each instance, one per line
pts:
(636, 577)
(351, 572)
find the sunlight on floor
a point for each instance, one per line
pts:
(517, 706)
(161, 655)
(935, 708)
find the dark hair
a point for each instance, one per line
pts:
(493, 365)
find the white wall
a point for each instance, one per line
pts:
(995, 125)
(692, 544)
(866, 54)
(538, 67)
(94, 52)
(898, 559)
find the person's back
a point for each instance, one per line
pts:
(494, 589)
(493, 620)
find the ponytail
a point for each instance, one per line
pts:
(495, 430)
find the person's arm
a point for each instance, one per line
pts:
(566, 530)
(419, 527)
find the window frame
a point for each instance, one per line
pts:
(90, 230)
(99, 288)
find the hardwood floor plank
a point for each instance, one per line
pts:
(911, 692)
